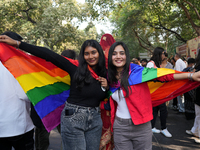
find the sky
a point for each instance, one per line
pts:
(106, 26)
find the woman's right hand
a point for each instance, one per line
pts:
(9, 41)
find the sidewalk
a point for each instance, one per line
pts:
(177, 124)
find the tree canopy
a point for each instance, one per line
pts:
(141, 24)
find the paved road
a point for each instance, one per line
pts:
(177, 124)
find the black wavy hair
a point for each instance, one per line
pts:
(157, 53)
(197, 60)
(13, 35)
(83, 75)
(69, 53)
(112, 70)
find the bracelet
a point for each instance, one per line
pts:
(17, 44)
(190, 76)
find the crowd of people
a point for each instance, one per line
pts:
(87, 116)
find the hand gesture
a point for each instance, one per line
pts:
(103, 82)
(9, 41)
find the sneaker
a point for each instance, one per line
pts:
(166, 133)
(154, 130)
(197, 140)
(191, 133)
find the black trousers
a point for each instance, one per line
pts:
(41, 138)
(175, 102)
(163, 115)
(20, 142)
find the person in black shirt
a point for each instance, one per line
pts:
(81, 123)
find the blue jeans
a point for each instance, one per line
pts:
(81, 127)
(181, 104)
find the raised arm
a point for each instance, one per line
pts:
(193, 76)
(41, 52)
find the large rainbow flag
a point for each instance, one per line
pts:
(160, 91)
(48, 86)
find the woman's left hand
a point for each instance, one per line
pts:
(103, 82)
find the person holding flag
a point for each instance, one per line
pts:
(81, 123)
(134, 90)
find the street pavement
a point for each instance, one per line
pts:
(176, 123)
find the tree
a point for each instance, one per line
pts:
(154, 23)
(45, 22)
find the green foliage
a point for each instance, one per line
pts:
(141, 24)
(46, 22)
(154, 23)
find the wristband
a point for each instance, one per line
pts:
(190, 76)
(17, 44)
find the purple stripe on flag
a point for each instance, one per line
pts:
(52, 120)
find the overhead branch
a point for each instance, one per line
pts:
(195, 9)
(196, 28)
(159, 25)
(140, 40)
(27, 13)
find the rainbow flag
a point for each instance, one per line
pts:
(160, 91)
(46, 85)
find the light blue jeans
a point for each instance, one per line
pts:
(181, 104)
(81, 127)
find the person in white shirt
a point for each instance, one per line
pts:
(16, 126)
(179, 66)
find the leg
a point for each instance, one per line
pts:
(163, 120)
(93, 134)
(41, 138)
(155, 114)
(163, 115)
(72, 129)
(21, 142)
(196, 128)
(180, 104)
(121, 134)
(175, 102)
(142, 136)
(5, 144)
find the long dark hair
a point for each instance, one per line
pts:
(112, 70)
(83, 75)
(157, 56)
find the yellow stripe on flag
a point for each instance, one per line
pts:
(39, 79)
(164, 71)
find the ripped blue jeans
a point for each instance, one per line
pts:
(81, 127)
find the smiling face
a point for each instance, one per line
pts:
(119, 57)
(91, 56)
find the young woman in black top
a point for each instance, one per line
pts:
(81, 123)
